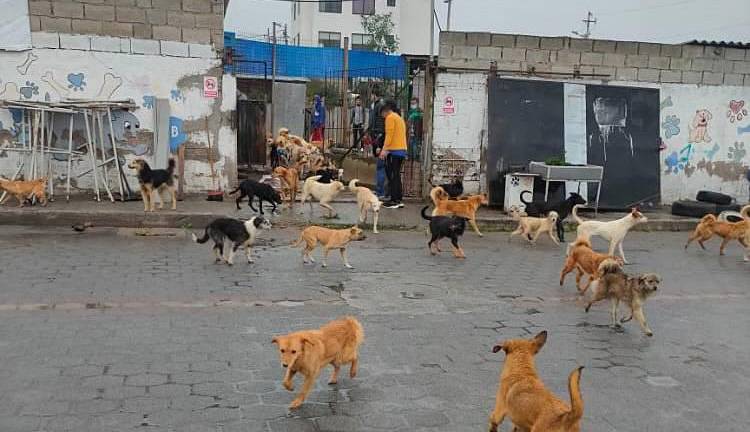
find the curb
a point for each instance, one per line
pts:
(32, 217)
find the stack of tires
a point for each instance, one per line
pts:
(706, 202)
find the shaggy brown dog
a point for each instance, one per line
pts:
(309, 351)
(23, 190)
(330, 239)
(584, 260)
(728, 231)
(291, 179)
(615, 285)
(523, 397)
(465, 208)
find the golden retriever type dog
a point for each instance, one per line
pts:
(613, 231)
(325, 193)
(617, 286)
(307, 352)
(532, 227)
(22, 189)
(330, 239)
(728, 231)
(366, 201)
(523, 397)
(291, 180)
(158, 180)
(465, 208)
(584, 260)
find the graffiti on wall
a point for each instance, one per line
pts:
(699, 126)
(737, 110)
(671, 126)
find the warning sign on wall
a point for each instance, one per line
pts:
(210, 87)
(449, 106)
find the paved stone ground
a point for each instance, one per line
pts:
(107, 331)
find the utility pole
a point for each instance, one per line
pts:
(345, 93)
(273, 76)
(432, 29)
(450, 7)
(588, 21)
(286, 35)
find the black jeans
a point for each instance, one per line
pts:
(357, 135)
(393, 172)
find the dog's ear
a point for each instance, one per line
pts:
(306, 340)
(275, 341)
(539, 340)
(497, 348)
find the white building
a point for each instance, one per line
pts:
(328, 23)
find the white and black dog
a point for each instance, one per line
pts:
(237, 232)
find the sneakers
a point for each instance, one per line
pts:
(393, 205)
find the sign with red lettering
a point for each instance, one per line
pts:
(210, 87)
(449, 106)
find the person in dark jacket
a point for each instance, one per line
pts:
(376, 130)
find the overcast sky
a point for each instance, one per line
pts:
(641, 20)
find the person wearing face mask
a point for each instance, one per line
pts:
(414, 125)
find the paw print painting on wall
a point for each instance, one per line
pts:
(671, 126)
(737, 152)
(737, 110)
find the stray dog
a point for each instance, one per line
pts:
(155, 180)
(728, 231)
(238, 232)
(563, 209)
(291, 179)
(330, 239)
(454, 189)
(309, 351)
(327, 175)
(324, 193)
(614, 231)
(522, 396)
(466, 208)
(528, 226)
(366, 201)
(584, 260)
(451, 227)
(615, 285)
(251, 189)
(22, 189)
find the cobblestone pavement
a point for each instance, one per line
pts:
(107, 331)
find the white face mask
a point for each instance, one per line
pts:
(413, 106)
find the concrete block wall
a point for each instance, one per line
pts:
(599, 59)
(187, 21)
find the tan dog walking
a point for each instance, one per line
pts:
(22, 189)
(330, 239)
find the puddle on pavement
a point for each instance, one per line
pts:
(412, 295)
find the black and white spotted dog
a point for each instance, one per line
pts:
(239, 233)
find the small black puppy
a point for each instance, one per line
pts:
(454, 189)
(251, 188)
(563, 209)
(441, 227)
(327, 175)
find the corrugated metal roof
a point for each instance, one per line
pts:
(722, 44)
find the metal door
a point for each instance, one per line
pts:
(251, 133)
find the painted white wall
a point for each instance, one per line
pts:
(719, 165)
(56, 74)
(410, 17)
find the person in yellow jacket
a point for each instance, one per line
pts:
(394, 151)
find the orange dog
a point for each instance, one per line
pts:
(465, 208)
(25, 189)
(584, 260)
(309, 351)
(523, 397)
(728, 231)
(291, 178)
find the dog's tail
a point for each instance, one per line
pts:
(709, 218)
(353, 184)
(438, 194)
(202, 239)
(523, 200)
(575, 213)
(424, 213)
(609, 266)
(581, 242)
(171, 165)
(576, 401)
(235, 191)
(357, 330)
(313, 178)
(298, 242)
(745, 212)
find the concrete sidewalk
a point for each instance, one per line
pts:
(195, 212)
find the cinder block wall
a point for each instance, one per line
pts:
(610, 60)
(190, 21)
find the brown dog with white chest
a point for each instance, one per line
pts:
(307, 352)
(24, 189)
(291, 179)
(465, 208)
(330, 239)
(523, 397)
(728, 231)
(584, 260)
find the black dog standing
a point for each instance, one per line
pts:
(563, 209)
(264, 192)
(451, 227)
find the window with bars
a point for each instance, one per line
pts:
(391, 3)
(329, 39)
(363, 7)
(330, 6)
(362, 41)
